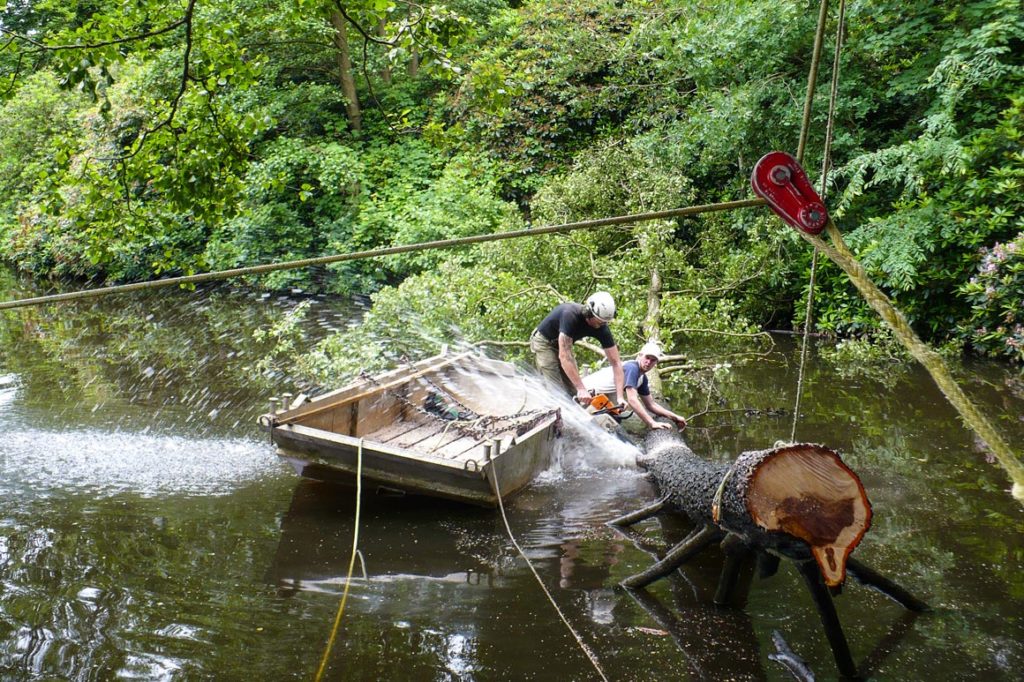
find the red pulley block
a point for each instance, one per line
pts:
(779, 180)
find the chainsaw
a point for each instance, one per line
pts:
(600, 404)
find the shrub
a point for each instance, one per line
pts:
(996, 292)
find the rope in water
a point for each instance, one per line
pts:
(826, 164)
(389, 251)
(351, 565)
(508, 529)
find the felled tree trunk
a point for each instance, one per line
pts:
(799, 501)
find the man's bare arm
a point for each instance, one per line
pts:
(612, 353)
(569, 366)
(653, 406)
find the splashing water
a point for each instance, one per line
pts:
(8, 388)
(583, 447)
(104, 463)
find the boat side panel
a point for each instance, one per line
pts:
(404, 473)
(376, 412)
(521, 463)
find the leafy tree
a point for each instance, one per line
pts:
(232, 132)
(42, 127)
(922, 206)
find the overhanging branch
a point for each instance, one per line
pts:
(43, 47)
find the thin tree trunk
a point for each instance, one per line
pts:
(414, 63)
(652, 321)
(652, 325)
(385, 71)
(346, 78)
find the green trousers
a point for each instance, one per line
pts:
(545, 354)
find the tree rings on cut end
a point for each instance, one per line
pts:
(806, 491)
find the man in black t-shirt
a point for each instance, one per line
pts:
(553, 339)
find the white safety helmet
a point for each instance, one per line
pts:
(652, 349)
(601, 305)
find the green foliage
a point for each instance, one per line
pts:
(928, 202)
(41, 128)
(285, 334)
(538, 94)
(296, 197)
(499, 291)
(449, 305)
(878, 357)
(245, 153)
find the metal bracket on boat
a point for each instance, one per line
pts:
(474, 469)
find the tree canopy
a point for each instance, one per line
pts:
(142, 139)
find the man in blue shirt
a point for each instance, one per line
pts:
(553, 339)
(637, 388)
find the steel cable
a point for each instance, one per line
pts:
(389, 251)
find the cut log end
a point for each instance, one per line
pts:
(806, 491)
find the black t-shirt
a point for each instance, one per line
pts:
(568, 319)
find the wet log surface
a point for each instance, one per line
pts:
(796, 501)
(799, 500)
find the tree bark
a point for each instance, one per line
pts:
(346, 78)
(799, 501)
(385, 71)
(414, 63)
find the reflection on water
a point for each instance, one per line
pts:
(147, 531)
(316, 543)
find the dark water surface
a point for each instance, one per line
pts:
(148, 531)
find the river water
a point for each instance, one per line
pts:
(149, 532)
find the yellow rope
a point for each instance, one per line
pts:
(840, 254)
(579, 640)
(351, 564)
(389, 251)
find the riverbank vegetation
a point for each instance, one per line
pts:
(144, 139)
